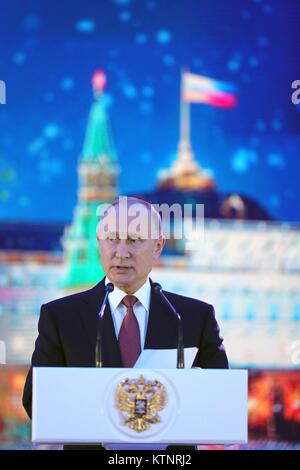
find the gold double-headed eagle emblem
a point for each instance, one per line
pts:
(139, 401)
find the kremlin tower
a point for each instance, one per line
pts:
(98, 171)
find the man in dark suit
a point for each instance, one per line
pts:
(68, 326)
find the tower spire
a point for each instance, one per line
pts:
(98, 170)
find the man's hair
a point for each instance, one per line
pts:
(130, 201)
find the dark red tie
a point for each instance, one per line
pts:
(129, 336)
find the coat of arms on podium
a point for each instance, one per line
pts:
(139, 402)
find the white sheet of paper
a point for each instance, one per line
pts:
(164, 358)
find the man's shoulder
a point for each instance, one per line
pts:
(71, 299)
(193, 303)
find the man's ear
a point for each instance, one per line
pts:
(159, 245)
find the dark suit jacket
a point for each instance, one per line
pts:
(68, 327)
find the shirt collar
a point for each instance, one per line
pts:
(143, 294)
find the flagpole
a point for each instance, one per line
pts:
(185, 162)
(184, 116)
(185, 155)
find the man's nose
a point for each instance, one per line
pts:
(122, 249)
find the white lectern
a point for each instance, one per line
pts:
(110, 405)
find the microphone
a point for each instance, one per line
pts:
(98, 357)
(180, 346)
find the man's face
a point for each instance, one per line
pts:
(127, 248)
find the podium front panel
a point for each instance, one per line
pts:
(90, 405)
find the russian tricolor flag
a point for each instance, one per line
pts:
(200, 89)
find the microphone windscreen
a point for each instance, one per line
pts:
(157, 287)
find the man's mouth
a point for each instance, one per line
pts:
(122, 267)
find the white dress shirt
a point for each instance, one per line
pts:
(140, 308)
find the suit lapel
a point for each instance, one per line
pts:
(111, 350)
(162, 326)
(89, 316)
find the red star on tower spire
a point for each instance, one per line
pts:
(99, 80)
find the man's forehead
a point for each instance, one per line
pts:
(123, 234)
(126, 222)
(119, 215)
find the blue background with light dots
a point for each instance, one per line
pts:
(49, 50)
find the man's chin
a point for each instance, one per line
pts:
(121, 277)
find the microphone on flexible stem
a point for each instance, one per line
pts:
(98, 359)
(180, 346)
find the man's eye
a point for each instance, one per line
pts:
(133, 240)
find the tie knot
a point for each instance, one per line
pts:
(129, 300)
